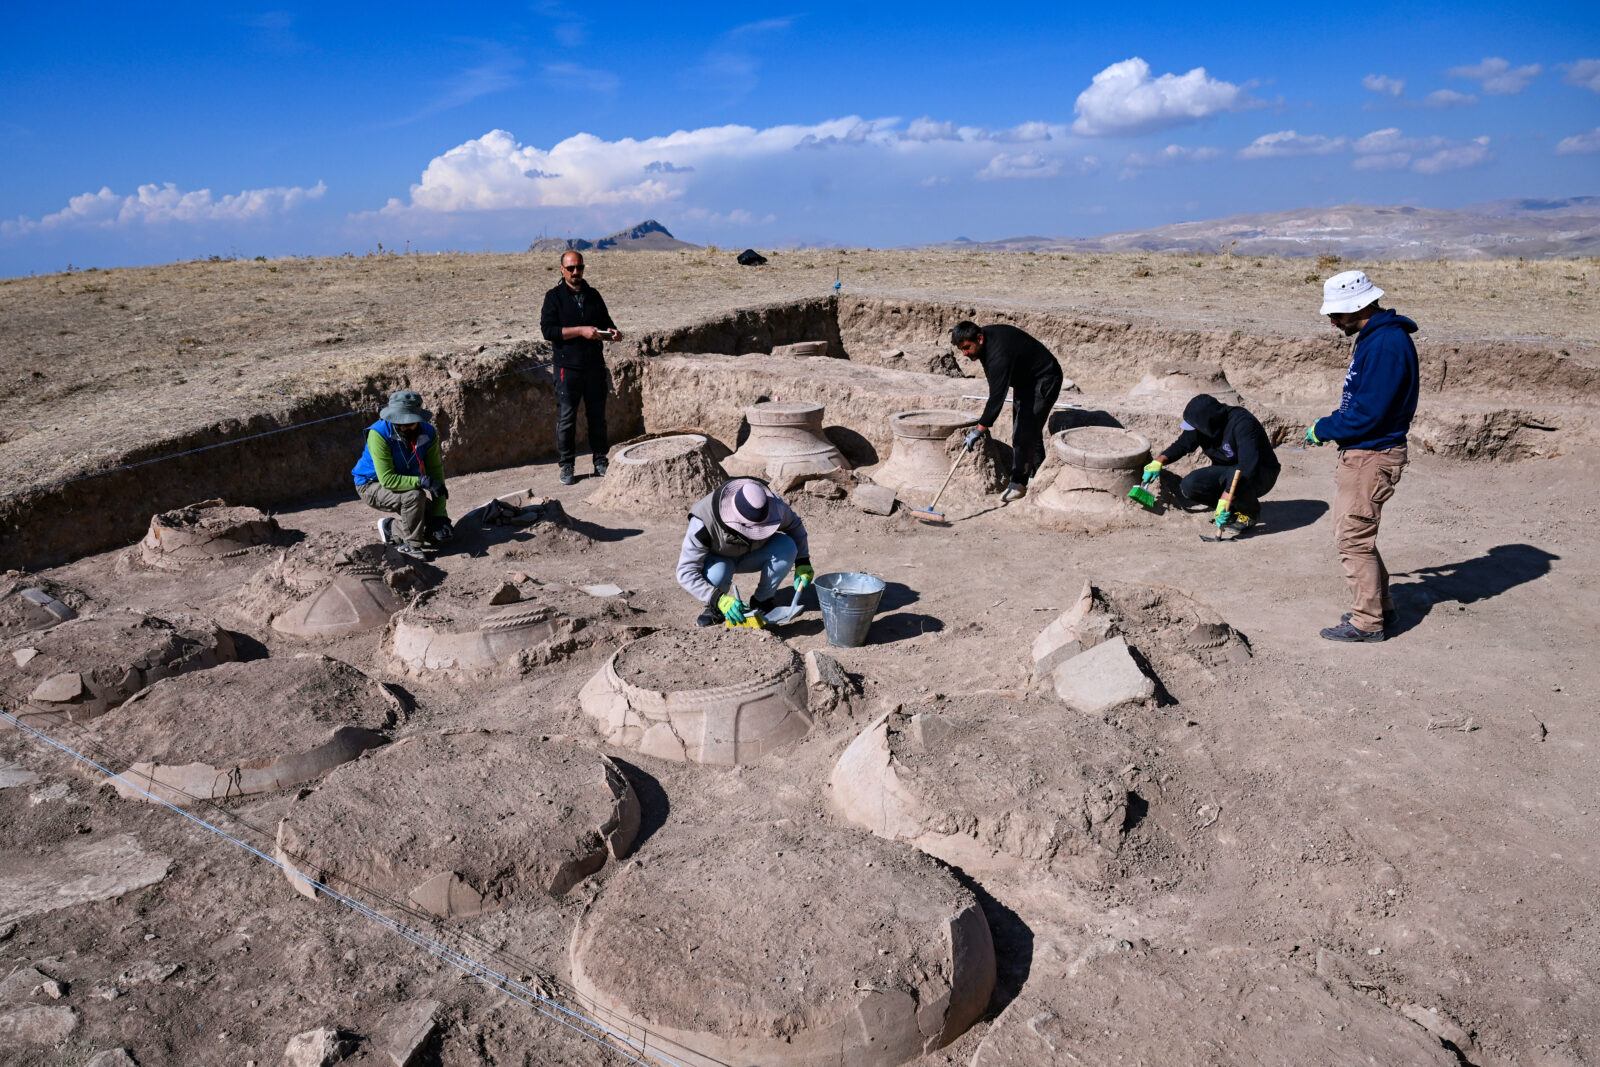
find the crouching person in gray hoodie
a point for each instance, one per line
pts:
(742, 527)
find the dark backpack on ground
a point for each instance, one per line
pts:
(751, 258)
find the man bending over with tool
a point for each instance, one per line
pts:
(1370, 427)
(401, 470)
(742, 527)
(1013, 359)
(1234, 440)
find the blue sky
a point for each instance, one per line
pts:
(139, 136)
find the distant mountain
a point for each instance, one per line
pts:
(647, 236)
(1534, 228)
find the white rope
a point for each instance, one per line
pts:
(485, 974)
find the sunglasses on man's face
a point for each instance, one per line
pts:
(574, 270)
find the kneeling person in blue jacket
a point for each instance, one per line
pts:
(401, 470)
(741, 527)
(1235, 441)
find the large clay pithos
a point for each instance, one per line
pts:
(1099, 465)
(422, 641)
(662, 474)
(921, 459)
(786, 440)
(205, 533)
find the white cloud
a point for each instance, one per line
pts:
(1124, 98)
(1474, 153)
(1449, 98)
(1287, 143)
(1171, 156)
(1026, 165)
(156, 205)
(495, 172)
(1390, 149)
(1498, 77)
(1580, 143)
(1585, 73)
(1383, 84)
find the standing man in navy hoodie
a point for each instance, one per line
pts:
(1380, 397)
(575, 321)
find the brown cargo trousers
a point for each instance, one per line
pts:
(1364, 481)
(412, 506)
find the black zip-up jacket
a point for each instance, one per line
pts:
(1012, 359)
(1229, 436)
(564, 307)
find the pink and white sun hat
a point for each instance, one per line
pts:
(746, 506)
(1347, 292)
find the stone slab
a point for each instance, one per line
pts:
(76, 872)
(1101, 678)
(874, 499)
(37, 1026)
(405, 1030)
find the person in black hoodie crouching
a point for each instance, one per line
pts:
(1234, 440)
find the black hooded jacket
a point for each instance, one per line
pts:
(1229, 436)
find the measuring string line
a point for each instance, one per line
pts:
(494, 979)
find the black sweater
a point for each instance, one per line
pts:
(1012, 359)
(564, 307)
(1229, 436)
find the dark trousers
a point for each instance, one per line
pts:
(1030, 417)
(1206, 486)
(586, 386)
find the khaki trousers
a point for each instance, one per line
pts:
(1364, 481)
(411, 504)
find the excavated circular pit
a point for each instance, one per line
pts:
(81, 669)
(989, 784)
(786, 440)
(462, 823)
(1172, 385)
(711, 695)
(1099, 465)
(662, 474)
(204, 534)
(779, 946)
(243, 729)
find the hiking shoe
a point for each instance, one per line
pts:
(567, 477)
(709, 617)
(1390, 617)
(1240, 522)
(763, 605)
(601, 465)
(1014, 491)
(1347, 631)
(409, 550)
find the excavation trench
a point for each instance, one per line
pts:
(1481, 400)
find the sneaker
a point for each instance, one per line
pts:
(1014, 491)
(709, 617)
(1347, 631)
(408, 550)
(1243, 522)
(763, 605)
(384, 528)
(567, 477)
(1390, 617)
(601, 465)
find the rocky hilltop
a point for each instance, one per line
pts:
(1526, 227)
(646, 236)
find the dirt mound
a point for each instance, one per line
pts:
(246, 728)
(83, 668)
(205, 534)
(29, 603)
(780, 946)
(930, 357)
(1125, 1002)
(462, 823)
(661, 474)
(712, 695)
(304, 570)
(1172, 385)
(989, 783)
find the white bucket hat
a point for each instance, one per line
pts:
(1347, 292)
(746, 506)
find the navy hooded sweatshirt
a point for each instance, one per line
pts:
(1380, 388)
(1229, 436)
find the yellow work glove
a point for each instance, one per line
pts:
(732, 608)
(803, 575)
(1152, 471)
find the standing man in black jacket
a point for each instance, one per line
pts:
(575, 322)
(1234, 440)
(1015, 360)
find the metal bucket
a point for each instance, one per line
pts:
(848, 600)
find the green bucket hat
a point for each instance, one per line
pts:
(404, 407)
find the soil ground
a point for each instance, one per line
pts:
(1415, 824)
